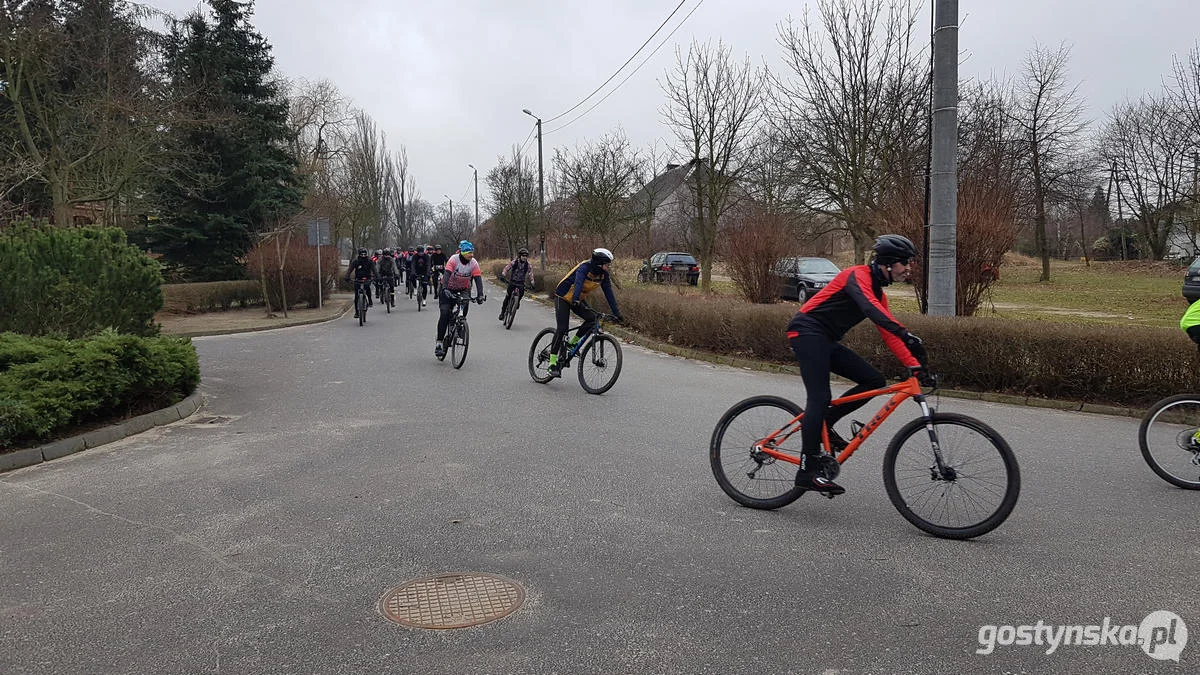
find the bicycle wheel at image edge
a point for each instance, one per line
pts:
(972, 495)
(458, 350)
(539, 356)
(1168, 439)
(599, 364)
(750, 477)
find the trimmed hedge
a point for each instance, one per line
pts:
(1122, 365)
(209, 296)
(47, 384)
(74, 282)
(1105, 364)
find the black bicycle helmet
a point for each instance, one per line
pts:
(893, 248)
(362, 253)
(523, 251)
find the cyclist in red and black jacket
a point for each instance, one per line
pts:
(815, 334)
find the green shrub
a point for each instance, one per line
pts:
(75, 282)
(210, 296)
(1120, 365)
(49, 383)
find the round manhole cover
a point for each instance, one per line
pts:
(452, 600)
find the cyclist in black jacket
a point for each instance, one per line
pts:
(815, 334)
(418, 267)
(517, 274)
(363, 270)
(437, 265)
(386, 266)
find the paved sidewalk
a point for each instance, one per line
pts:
(251, 319)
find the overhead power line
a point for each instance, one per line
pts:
(631, 74)
(627, 62)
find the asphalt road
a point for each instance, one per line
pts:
(350, 461)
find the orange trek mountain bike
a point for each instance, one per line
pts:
(950, 475)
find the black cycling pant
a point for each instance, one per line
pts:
(520, 290)
(446, 302)
(562, 317)
(819, 356)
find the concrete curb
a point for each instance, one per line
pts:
(766, 366)
(97, 437)
(233, 331)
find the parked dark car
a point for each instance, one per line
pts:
(668, 267)
(804, 277)
(1191, 281)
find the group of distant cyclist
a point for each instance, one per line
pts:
(388, 268)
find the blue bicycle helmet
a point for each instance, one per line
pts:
(465, 246)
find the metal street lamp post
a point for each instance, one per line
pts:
(476, 198)
(541, 191)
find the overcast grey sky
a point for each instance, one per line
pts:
(449, 79)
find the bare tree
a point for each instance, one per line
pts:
(852, 116)
(713, 106)
(80, 92)
(365, 182)
(991, 184)
(1050, 117)
(513, 199)
(598, 178)
(1152, 153)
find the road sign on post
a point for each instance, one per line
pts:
(318, 235)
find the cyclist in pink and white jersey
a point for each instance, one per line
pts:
(458, 273)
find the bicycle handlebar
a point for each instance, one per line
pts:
(924, 377)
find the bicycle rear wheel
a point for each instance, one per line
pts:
(458, 350)
(751, 477)
(974, 491)
(360, 308)
(1170, 440)
(599, 364)
(539, 356)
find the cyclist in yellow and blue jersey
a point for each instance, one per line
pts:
(569, 297)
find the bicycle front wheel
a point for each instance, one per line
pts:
(539, 356)
(458, 350)
(599, 364)
(1170, 440)
(970, 494)
(747, 474)
(360, 308)
(512, 311)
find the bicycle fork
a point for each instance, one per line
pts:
(939, 471)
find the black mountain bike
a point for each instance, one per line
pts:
(510, 313)
(422, 292)
(458, 334)
(389, 293)
(362, 299)
(599, 356)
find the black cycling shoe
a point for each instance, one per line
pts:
(817, 474)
